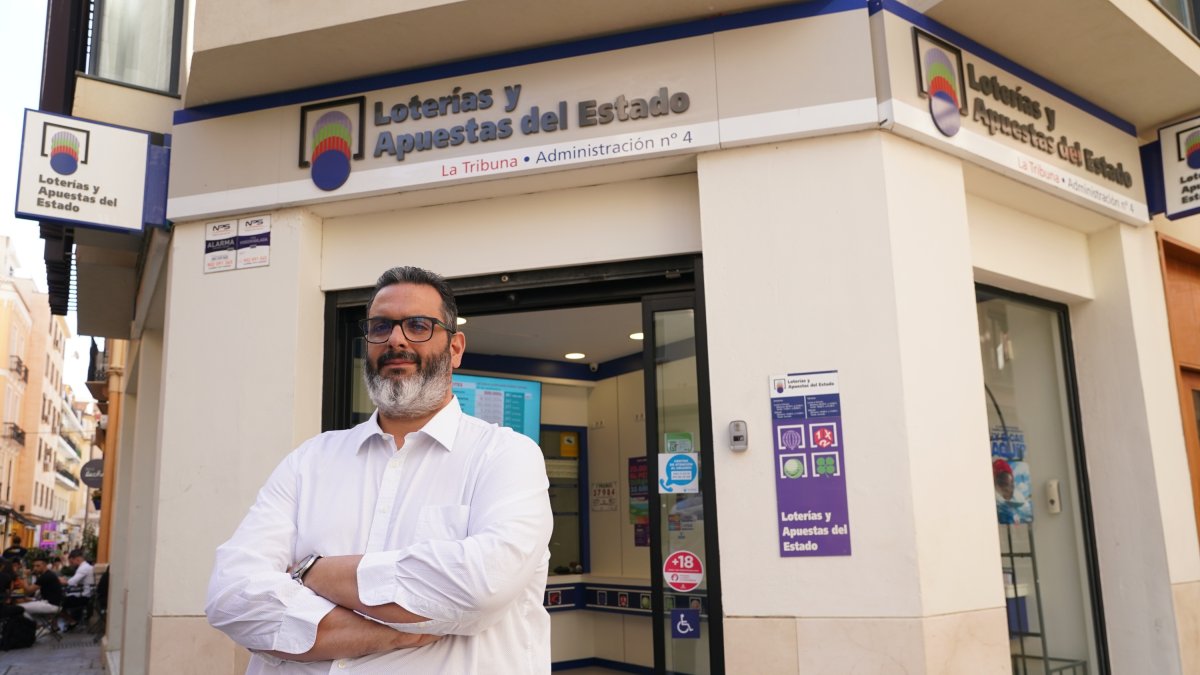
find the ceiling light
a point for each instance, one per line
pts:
(575, 356)
(637, 336)
(462, 320)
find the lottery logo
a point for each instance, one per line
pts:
(64, 153)
(1190, 147)
(940, 79)
(331, 138)
(66, 147)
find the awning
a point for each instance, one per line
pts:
(20, 518)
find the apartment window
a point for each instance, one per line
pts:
(137, 42)
(1186, 12)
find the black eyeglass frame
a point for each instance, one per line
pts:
(364, 328)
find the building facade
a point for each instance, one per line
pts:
(910, 394)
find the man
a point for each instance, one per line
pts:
(419, 538)
(79, 586)
(49, 589)
(16, 551)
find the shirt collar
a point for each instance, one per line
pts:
(442, 427)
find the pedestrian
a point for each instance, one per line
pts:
(413, 542)
(16, 551)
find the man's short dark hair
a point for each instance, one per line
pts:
(76, 553)
(416, 275)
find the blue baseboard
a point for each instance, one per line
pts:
(601, 663)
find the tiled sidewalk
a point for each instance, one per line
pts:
(75, 654)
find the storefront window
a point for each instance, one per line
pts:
(1040, 506)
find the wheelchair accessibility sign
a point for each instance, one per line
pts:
(685, 624)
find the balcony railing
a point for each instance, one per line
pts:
(67, 477)
(16, 365)
(11, 430)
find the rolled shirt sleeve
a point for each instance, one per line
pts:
(466, 585)
(251, 597)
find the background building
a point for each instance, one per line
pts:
(941, 220)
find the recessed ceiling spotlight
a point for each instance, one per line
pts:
(462, 320)
(575, 356)
(637, 336)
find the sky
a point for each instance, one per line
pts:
(22, 38)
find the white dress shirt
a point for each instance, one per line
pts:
(84, 579)
(454, 526)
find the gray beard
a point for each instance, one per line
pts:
(416, 395)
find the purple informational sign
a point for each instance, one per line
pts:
(809, 464)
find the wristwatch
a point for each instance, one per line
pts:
(303, 567)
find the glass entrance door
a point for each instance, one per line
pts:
(683, 560)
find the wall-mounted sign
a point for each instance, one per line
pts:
(604, 495)
(237, 244)
(683, 95)
(809, 464)
(952, 93)
(1180, 147)
(91, 174)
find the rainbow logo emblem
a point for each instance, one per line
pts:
(331, 150)
(64, 153)
(1192, 151)
(331, 135)
(941, 85)
(939, 79)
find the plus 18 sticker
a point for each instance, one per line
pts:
(683, 571)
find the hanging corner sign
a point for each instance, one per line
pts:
(91, 174)
(683, 571)
(92, 473)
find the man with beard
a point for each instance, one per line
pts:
(415, 542)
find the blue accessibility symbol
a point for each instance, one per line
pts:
(685, 624)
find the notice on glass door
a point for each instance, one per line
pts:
(809, 464)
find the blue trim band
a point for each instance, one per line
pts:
(520, 58)
(920, 20)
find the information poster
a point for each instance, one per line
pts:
(639, 500)
(809, 464)
(220, 246)
(604, 495)
(254, 242)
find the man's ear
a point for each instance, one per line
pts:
(458, 345)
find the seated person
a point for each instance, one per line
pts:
(48, 588)
(10, 576)
(79, 587)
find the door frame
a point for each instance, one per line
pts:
(712, 558)
(646, 281)
(1091, 555)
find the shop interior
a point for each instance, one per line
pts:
(573, 379)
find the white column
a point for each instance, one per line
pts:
(242, 366)
(851, 252)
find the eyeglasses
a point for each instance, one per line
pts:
(379, 329)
